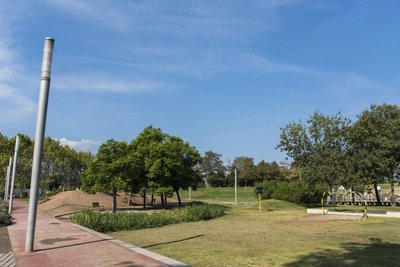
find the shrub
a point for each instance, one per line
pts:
(109, 222)
(294, 191)
(5, 218)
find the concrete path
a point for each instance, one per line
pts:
(59, 243)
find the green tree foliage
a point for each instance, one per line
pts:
(61, 165)
(6, 149)
(154, 162)
(247, 173)
(171, 164)
(138, 154)
(24, 164)
(319, 148)
(375, 144)
(108, 172)
(270, 171)
(213, 169)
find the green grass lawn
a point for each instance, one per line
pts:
(281, 235)
(221, 194)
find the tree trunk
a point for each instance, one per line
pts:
(378, 198)
(152, 199)
(392, 198)
(165, 200)
(179, 198)
(144, 199)
(352, 195)
(130, 199)
(162, 199)
(114, 203)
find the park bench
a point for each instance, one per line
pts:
(96, 205)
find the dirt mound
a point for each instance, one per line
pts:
(72, 201)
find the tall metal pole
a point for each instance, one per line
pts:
(13, 175)
(8, 180)
(236, 201)
(39, 137)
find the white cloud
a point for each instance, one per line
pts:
(82, 145)
(206, 19)
(14, 104)
(96, 83)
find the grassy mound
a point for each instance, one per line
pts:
(110, 222)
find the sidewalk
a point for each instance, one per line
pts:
(59, 243)
(6, 254)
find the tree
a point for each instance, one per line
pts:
(139, 152)
(108, 172)
(212, 169)
(61, 165)
(319, 148)
(171, 164)
(6, 150)
(247, 173)
(375, 144)
(24, 165)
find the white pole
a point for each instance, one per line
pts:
(190, 193)
(39, 137)
(8, 180)
(236, 200)
(13, 175)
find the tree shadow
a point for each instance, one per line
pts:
(174, 241)
(374, 253)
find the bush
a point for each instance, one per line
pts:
(5, 218)
(109, 222)
(295, 191)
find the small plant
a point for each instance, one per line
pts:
(109, 222)
(5, 218)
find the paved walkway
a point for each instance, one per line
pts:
(59, 243)
(6, 253)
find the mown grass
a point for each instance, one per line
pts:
(221, 194)
(108, 221)
(281, 235)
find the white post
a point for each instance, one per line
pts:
(39, 137)
(190, 193)
(236, 200)
(13, 175)
(8, 181)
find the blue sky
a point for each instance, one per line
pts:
(223, 75)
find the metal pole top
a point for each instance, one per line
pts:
(47, 57)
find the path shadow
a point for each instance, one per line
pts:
(374, 253)
(175, 241)
(76, 244)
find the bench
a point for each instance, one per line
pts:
(96, 205)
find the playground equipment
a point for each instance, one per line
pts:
(332, 197)
(345, 197)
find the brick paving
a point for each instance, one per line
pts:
(59, 243)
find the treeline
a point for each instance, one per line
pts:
(61, 165)
(218, 174)
(325, 152)
(331, 151)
